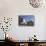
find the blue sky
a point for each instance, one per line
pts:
(28, 18)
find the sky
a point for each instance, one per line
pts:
(28, 18)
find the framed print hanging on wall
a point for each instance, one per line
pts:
(26, 20)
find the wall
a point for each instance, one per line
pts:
(14, 8)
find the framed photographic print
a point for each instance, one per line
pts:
(26, 20)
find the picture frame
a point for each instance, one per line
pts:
(26, 20)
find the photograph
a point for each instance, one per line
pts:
(26, 20)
